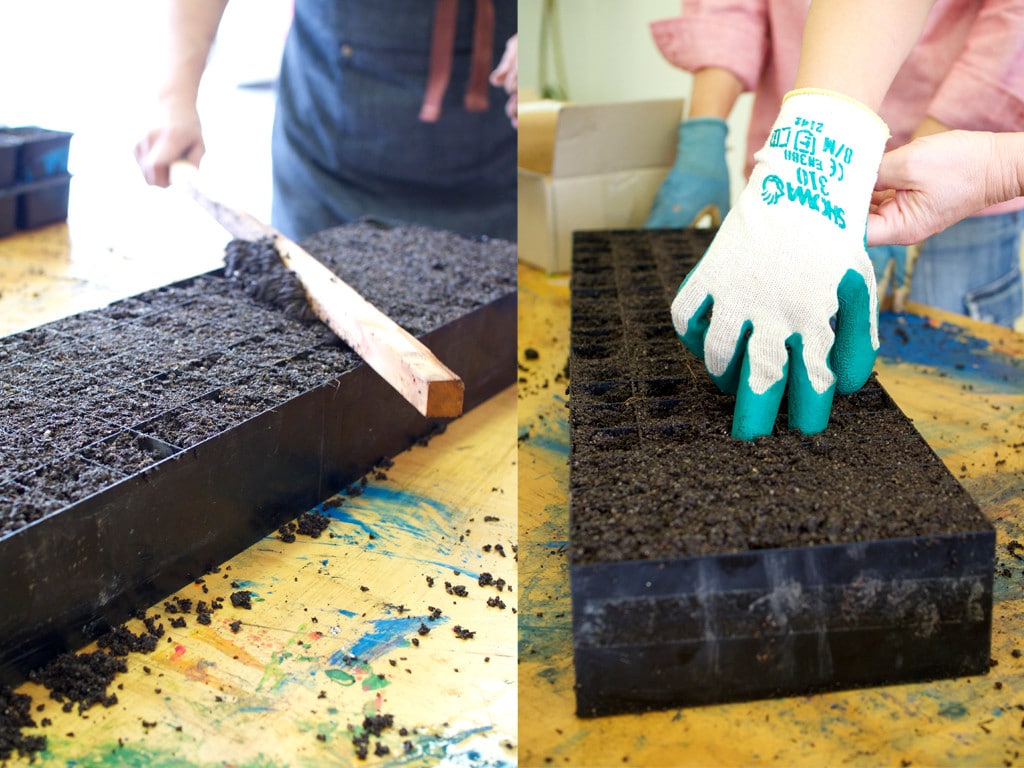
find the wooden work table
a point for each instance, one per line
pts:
(283, 690)
(963, 384)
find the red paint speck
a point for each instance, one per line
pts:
(179, 651)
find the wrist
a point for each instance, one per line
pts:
(177, 105)
(822, 156)
(714, 93)
(837, 98)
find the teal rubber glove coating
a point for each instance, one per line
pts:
(698, 182)
(788, 263)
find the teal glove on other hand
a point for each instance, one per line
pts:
(892, 266)
(789, 260)
(698, 183)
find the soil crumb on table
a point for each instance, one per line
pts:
(15, 714)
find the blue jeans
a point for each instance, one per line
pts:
(973, 269)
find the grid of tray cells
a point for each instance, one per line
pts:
(92, 399)
(653, 471)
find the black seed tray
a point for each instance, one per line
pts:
(144, 442)
(43, 202)
(30, 153)
(705, 569)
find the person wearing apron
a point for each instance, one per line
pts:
(384, 111)
(353, 136)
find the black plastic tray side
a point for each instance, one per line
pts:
(72, 575)
(660, 634)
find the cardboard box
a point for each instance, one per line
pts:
(589, 166)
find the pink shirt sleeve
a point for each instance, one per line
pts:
(984, 88)
(732, 35)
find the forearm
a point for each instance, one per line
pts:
(714, 93)
(856, 47)
(191, 30)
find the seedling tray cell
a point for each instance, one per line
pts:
(705, 569)
(125, 476)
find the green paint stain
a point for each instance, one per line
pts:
(273, 675)
(327, 729)
(375, 683)
(954, 709)
(112, 755)
(340, 676)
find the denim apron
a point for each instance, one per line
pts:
(348, 141)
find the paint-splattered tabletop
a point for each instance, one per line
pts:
(403, 606)
(963, 384)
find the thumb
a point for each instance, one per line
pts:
(892, 171)
(880, 231)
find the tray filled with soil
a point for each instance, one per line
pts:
(705, 569)
(148, 441)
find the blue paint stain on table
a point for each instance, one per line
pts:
(949, 349)
(397, 513)
(384, 636)
(342, 515)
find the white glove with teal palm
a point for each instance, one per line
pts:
(789, 261)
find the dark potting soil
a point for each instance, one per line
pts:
(310, 524)
(81, 679)
(654, 473)
(84, 679)
(452, 272)
(15, 714)
(92, 399)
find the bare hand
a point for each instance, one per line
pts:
(180, 137)
(506, 76)
(933, 182)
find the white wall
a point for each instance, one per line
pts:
(88, 68)
(608, 50)
(610, 55)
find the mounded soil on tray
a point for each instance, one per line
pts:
(653, 471)
(92, 399)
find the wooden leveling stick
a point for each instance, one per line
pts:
(394, 353)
